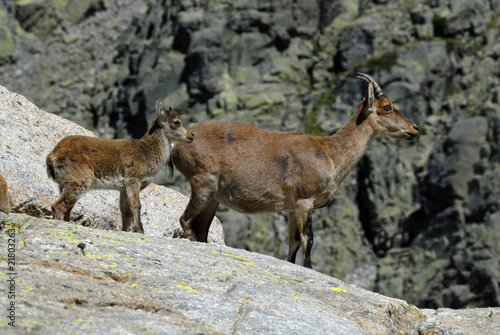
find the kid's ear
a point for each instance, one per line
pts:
(160, 113)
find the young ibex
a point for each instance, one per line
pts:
(4, 196)
(78, 163)
(258, 171)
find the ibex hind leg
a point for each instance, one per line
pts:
(303, 214)
(195, 219)
(132, 208)
(201, 223)
(62, 207)
(293, 237)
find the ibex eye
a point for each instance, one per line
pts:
(387, 108)
(177, 123)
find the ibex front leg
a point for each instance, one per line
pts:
(125, 210)
(130, 207)
(303, 215)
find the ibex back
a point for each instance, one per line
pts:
(79, 163)
(258, 171)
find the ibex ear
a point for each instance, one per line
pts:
(373, 88)
(367, 103)
(161, 116)
(371, 97)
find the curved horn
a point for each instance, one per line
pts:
(368, 79)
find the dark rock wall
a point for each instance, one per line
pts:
(418, 221)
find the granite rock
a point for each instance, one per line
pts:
(73, 279)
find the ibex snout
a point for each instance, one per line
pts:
(412, 133)
(188, 136)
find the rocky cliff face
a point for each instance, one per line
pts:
(415, 221)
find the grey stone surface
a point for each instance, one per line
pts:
(29, 134)
(447, 321)
(71, 278)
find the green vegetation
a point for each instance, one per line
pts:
(439, 23)
(452, 90)
(362, 9)
(311, 125)
(471, 44)
(385, 62)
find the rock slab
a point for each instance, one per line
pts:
(75, 279)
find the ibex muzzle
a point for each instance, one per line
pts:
(258, 171)
(79, 163)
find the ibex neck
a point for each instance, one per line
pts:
(349, 144)
(157, 145)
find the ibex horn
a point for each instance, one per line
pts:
(368, 79)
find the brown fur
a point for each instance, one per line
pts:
(4, 196)
(257, 171)
(78, 163)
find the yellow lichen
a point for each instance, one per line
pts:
(185, 287)
(270, 276)
(235, 256)
(27, 323)
(245, 299)
(338, 289)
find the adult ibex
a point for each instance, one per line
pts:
(4, 196)
(258, 171)
(79, 163)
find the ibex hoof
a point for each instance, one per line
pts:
(138, 230)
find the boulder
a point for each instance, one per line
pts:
(28, 134)
(75, 279)
(446, 321)
(465, 16)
